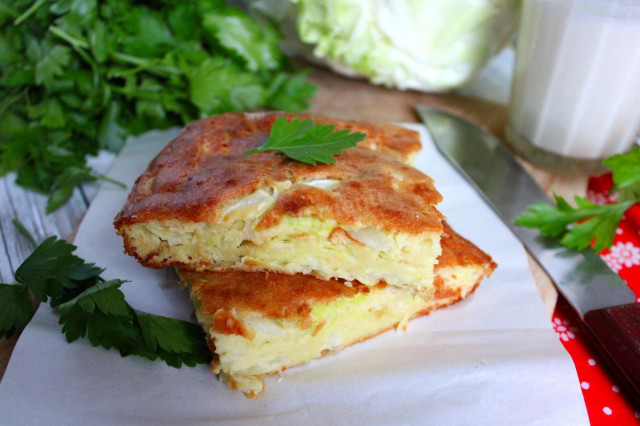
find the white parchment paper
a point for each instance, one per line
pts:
(491, 359)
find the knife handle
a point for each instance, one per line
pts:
(617, 331)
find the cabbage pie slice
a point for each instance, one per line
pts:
(201, 205)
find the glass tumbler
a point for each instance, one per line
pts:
(575, 98)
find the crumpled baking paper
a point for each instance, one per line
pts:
(491, 359)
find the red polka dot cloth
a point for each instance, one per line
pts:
(605, 404)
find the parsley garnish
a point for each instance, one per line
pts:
(588, 223)
(310, 143)
(94, 308)
(80, 76)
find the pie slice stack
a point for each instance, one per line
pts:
(261, 323)
(285, 261)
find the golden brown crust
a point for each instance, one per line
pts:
(275, 295)
(458, 251)
(225, 323)
(203, 168)
(283, 296)
(442, 300)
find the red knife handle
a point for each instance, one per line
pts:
(617, 331)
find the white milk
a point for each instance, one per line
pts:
(576, 88)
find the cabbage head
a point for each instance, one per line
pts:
(428, 45)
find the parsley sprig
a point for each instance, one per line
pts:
(588, 223)
(94, 308)
(310, 143)
(83, 75)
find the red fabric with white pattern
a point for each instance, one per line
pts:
(605, 404)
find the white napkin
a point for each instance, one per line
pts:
(491, 359)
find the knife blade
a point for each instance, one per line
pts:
(603, 301)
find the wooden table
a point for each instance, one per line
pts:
(336, 97)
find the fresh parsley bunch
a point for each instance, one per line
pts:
(77, 76)
(588, 223)
(92, 307)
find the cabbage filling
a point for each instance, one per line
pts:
(307, 245)
(276, 344)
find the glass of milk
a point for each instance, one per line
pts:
(575, 98)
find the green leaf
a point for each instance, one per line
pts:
(599, 230)
(30, 11)
(59, 197)
(12, 156)
(16, 309)
(10, 45)
(11, 125)
(96, 309)
(50, 113)
(111, 135)
(102, 314)
(65, 183)
(41, 271)
(25, 232)
(303, 141)
(33, 51)
(626, 173)
(51, 267)
(551, 220)
(181, 19)
(7, 12)
(104, 296)
(166, 336)
(579, 227)
(217, 85)
(101, 43)
(256, 44)
(74, 323)
(290, 93)
(113, 332)
(18, 78)
(51, 65)
(101, 329)
(150, 36)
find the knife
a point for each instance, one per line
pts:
(604, 302)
